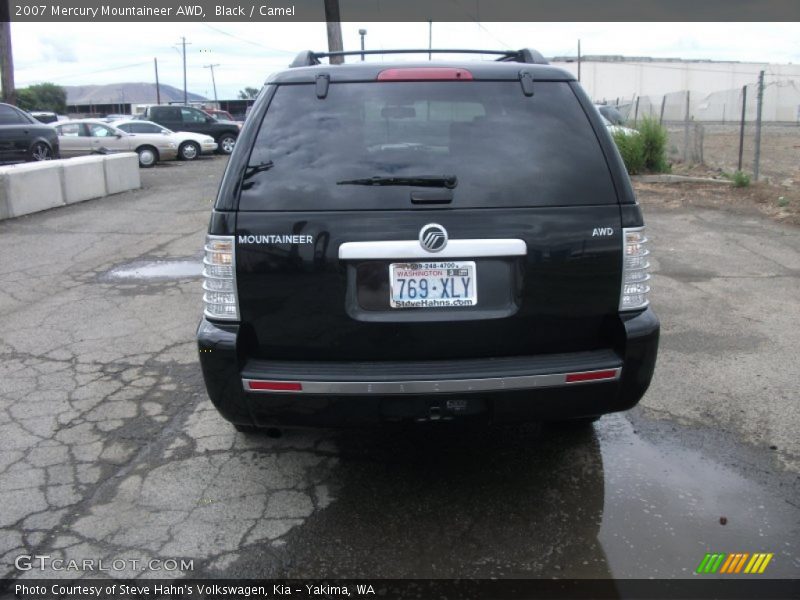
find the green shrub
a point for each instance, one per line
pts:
(631, 147)
(740, 179)
(654, 144)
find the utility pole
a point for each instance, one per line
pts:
(213, 81)
(334, 30)
(6, 57)
(430, 38)
(579, 60)
(184, 43)
(158, 88)
(759, 107)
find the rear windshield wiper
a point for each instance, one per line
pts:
(445, 181)
(260, 168)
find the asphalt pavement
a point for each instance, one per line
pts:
(110, 449)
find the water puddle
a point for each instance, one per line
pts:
(154, 269)
(594, 503)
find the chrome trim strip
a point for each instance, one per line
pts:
(443, 386)
(476, 248)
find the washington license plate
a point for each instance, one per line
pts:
(433, 284)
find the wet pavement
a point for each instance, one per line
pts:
(160, 269)
(109, 448)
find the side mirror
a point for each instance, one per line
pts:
(210, 120)
(118, 135)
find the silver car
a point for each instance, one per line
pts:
(92, 136)
(190, 145)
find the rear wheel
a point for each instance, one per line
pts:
(41, 151)
(189, 151)
(226, 143)
(148, 156)
(577, 423)
(246, 428)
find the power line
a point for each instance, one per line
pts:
(474, 19)
(246, 41)
(82, 73)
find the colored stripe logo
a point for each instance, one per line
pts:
(734, 563)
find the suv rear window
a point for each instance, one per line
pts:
(506, 149)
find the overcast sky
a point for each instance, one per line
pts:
(101, 53)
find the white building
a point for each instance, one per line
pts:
(715, 88)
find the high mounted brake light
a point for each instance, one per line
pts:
(425, 74)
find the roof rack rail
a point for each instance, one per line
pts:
(307, 58)
(525, 55)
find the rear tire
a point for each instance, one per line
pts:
(226, 142)
(577, 423)
(189, 151)
(246, 428)
(41, 151)
(148, 156)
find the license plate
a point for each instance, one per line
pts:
(433, 284)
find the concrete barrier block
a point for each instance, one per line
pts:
(84, 178)
(5, 211)
(29, 188)
(122, 172)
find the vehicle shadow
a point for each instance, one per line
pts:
(439, 501)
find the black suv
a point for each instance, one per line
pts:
(189, 118)
(24, 138)
(422, 241)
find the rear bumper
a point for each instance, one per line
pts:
(549, 387)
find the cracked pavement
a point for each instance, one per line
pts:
(110, 449)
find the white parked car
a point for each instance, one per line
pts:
(93, 136)
(190, 145)
(619, 128)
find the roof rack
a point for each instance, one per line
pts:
(307, 58)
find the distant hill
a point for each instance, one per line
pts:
(133, 93)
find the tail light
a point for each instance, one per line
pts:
(219, 278)
(635, 270)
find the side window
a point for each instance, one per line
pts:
(166, 113)
(147, 128)
(9, 116)
(71, 130)
(97, 130)
(192, 115)
(129, 127)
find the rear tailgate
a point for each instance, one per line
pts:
(301, 302)
(528, 169)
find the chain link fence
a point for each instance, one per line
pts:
(715, 129)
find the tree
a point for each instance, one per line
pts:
(43, 96)
(248, 93)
